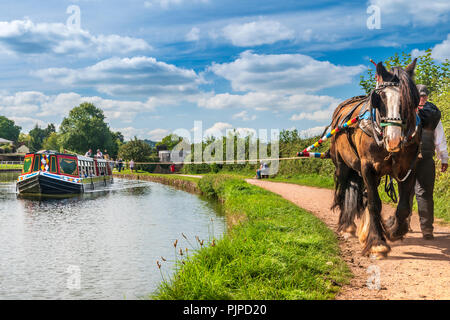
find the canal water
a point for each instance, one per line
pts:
(100, 245)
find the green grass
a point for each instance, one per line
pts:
(10, 167)
(277, 251)
(165, 176)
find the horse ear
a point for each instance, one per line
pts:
(411, 67)
(383, 73)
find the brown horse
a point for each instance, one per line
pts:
(362, 159)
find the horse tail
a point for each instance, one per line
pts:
(349, 198)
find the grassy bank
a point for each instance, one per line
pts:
(275, 250)
(177, 181)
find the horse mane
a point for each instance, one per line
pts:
(410, 97)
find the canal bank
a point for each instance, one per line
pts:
(272, 250)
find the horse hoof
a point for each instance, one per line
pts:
(379, 252)
(349, 232)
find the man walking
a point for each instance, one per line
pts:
(433, 140)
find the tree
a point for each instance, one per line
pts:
(137, 150)
(8, 129)
(38, 136)
(170, 141)
(85, 128)
(428, 72)
(52, 142)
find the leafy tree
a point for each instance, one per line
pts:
(428, 72)
(37, 137)
(136, 150)
(52, 142)
(8, 129)
(85, 128)
(170, 141)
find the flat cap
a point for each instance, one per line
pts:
(423, 91)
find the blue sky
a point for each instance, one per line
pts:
(155, 66)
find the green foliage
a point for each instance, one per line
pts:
(8, 129)
(85, 128)
(170, 141)
(52, 142)
(277, 251)
(428, 72)
(138, 151)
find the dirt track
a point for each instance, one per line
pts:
(415, 268)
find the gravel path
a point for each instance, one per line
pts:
(414, 269)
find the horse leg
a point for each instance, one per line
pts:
(370, 230)
(397, 226)
(345, 198)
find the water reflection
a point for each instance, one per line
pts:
(113, 237)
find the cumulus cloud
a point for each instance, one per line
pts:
(244, 116)
(158, 134)
(35, 105)
(257, 33)
(441, 51)
(217, 130)
(418, 12)
(27, 37)
(289, 73)
(142, 76)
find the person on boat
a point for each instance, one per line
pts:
(99, 154)
(433, 141)
(106, 155)
(120, 165)
(131, 165)
(89, 153)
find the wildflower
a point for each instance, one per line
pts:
(175, 243)
(158, 264)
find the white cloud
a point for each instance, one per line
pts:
(26, 37)
(35, 105)
(257, 33)
(217, 130)
(158, 134)
(311, 132)
(243, 116)
(441, 51)
(193, 35)
(28, 123)
(288, 73)
(142, 76)
(418, 12)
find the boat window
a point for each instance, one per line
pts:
(68, 166)
(27, 164)
(53, 166)
(37, 162)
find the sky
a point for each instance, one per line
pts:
(156, 66)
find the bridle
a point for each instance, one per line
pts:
(387, 121)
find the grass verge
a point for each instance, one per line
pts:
(275, 251)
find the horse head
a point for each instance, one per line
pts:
(396, 98)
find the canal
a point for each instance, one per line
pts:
(100, 245)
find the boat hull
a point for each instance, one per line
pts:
(41, 183)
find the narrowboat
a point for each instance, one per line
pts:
(52, 173)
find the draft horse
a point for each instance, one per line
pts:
(362, 158)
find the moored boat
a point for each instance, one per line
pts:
(52, 173)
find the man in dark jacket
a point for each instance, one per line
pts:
(433, 140)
